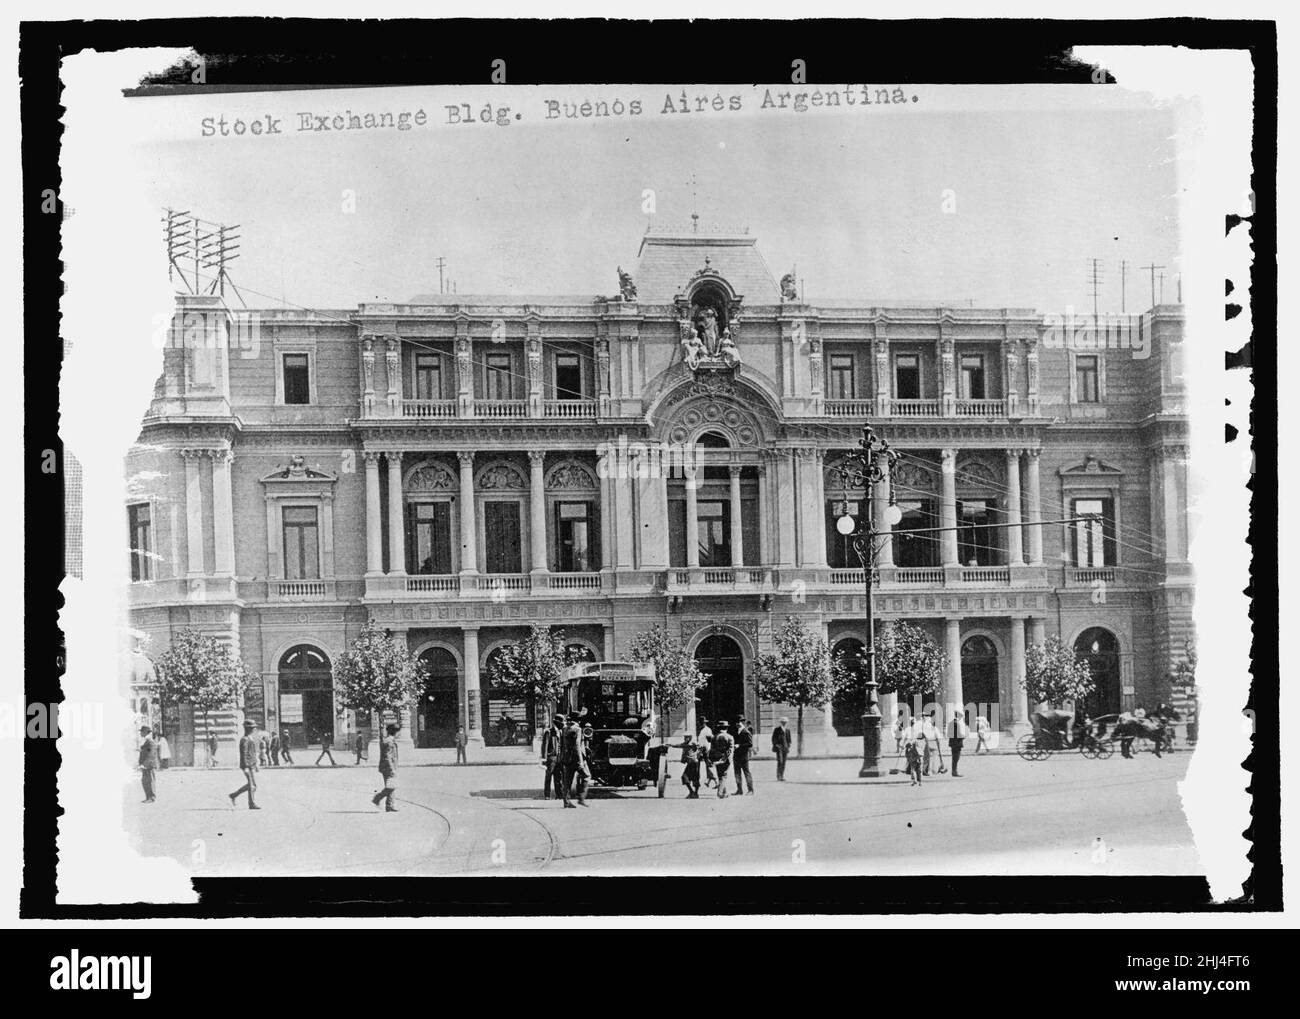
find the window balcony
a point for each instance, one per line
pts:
(572, 581)
(918, 575)
(427, 584)
(1087, 576)
(986, 575)
(300, 590)
(428, 408)
(914, 408)
(850, 408)
(740, 578)
(499, 409)
(981, 408)
(569, 409)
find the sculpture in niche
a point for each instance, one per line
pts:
(431, 477)
(709, 322)
(626, 288)
(571, 475)
(499, 477)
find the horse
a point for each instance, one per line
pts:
(1137, 724)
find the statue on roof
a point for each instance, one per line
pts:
(706, 322)
(626, 288)
(789, 288)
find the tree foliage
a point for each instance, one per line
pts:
(908, 662)
(199, 670)
(378, 673)
(800, 672)
(677, 677)
(533, 668)
(1055, 674)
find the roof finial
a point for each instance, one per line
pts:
(695, 209)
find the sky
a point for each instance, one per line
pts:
(962, 196)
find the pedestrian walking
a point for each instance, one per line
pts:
(275, 748)
(691, 767)
(913, 740)
(327, 747)
(574, 763)
(462, 741)
(249, 745)
(359, 748)
(263, 747)
(957, 733)
(284, 746)
(164, 751)
(724, 744)
(900, 727)
(148, 763)
(744, 747)
(551, 756)
(982, 734)
(388, 768)
(211, 744)
(705, 738)
(781, 747)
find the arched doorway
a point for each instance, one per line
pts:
(506, 721)
(851, 701)
(439, 709)
(1098, 647)
(979, 675)
(723, 698)
(306, 696)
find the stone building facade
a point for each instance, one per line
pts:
(459, 467)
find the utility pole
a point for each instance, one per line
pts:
(1094, 280)
(1152, 267)
(1123, 285)
(1162, 288)
(441, 262)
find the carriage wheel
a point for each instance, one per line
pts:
(1028, 748)
(1104, 749)
(1088, 747)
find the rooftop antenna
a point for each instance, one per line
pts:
(695, 210)
(1094, 281)
(1123, 282)
(200, 244)
(441, 262)
(1162, 287)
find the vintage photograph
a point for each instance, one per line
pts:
(785, 479)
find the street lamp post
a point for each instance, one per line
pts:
(867, 466)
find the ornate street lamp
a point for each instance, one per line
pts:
(869, 465)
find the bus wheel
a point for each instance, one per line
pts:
(663, 775)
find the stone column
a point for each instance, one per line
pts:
(952, 682)
(223, 514)
(1015, 544)
(948, 507)
(783, 519)
(1037, 634)
(764, 549)
(624, 487)
(1033, 508)
(737, 530)
(537, 509)
(1172, 503)
(652, 493)
(1019, 699)
(374, 526)
(470, 687)
(884, 529)
(812, 509)
(692, 520)
(396, 517)
(468, 526)
(193, 512)
(611, 653)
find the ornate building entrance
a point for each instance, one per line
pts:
(719, 657)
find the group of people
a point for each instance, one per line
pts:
(918, 739)
(566, 755)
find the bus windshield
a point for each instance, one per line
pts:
(613, 705)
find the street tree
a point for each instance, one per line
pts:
(532, 669)
(800, 672)
(199, 670)
(378, 673)
(1054, 674)
(908, 662)
(677, 677)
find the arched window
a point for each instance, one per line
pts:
(438, 712)
(306, 696)
(979, 676)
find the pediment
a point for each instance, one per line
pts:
(298, 470)
(1091, 466)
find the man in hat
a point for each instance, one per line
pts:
(573, 763)
(744, 746)
(551, 756)
(781, 747)
(388, 767)
(148, 762)
(691, 770)
(249, 745)
(723, 747)
(284, 746)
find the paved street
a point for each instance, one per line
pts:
(1003, 816)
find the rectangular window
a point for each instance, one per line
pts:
(715, 533)
(301, 543)
(500, 380)
(428, 377)
(677, 532)
(568, 377)
(1094, 536)
(1087, 376)
(575, 536)
(976, 545)
(840, 554)
(841, 377)
(972, 377)
(297, 385)
(907, 376)
(912, 550)
(140, 541)
(501, 524)
(428, 546)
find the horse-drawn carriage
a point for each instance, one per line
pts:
(1129, 727)
(1056, 731)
